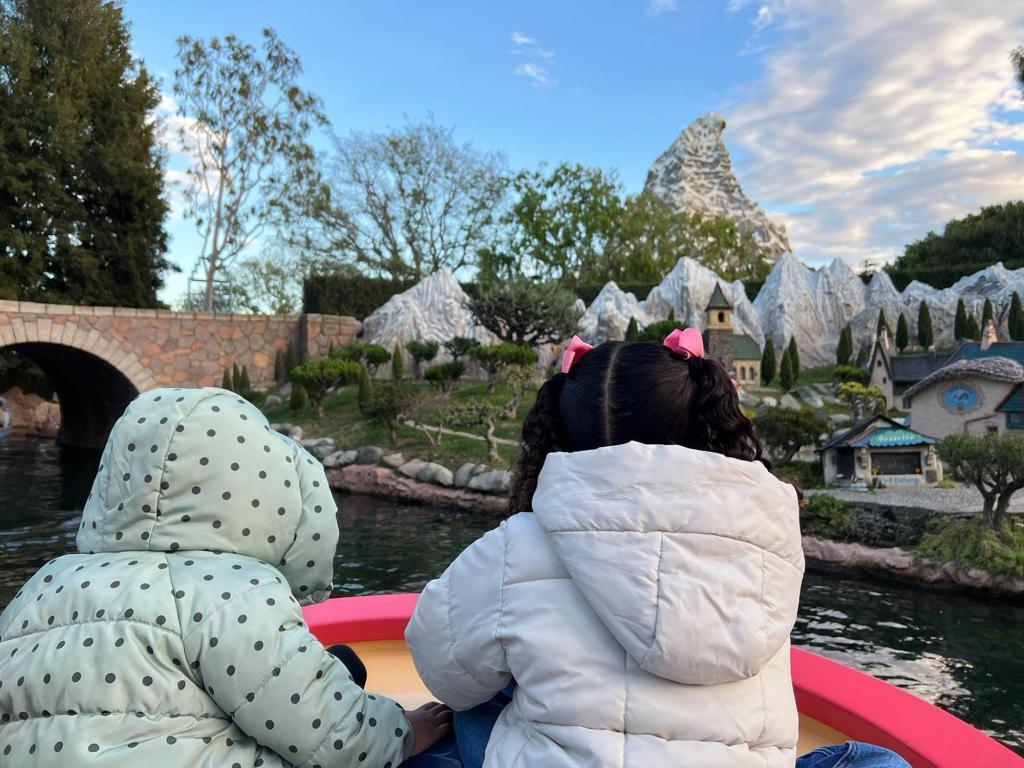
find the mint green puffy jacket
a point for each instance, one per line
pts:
(175, 637)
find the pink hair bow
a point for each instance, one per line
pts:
(577, 348)
(687, 342)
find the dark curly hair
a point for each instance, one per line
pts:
(644, 392)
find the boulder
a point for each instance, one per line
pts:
(285, 390)
(435, 474)
(494, 481)
(296, 433)
(748, 399)
(272, 401)
(339, 459)
(467, 472)
(411, 468)
(810, 397)
(393, 460)
(311, 443)
(788, 401)
(769, 402)
(283, 427)
(839, 419)
(370, 454)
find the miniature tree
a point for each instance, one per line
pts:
(518, 379)
(386, 405)
(243, 381)
(397, 364)
(863, 400)
(226, 382)
(994, 464)
(290, 359)
(786, 375)
(986, 313)
(480, 413)
(960, 321)
(785, 431)
(279, 372)
(902, 333)
(365, 386)
(444, 375)
(973, 330)
(460, 346)
(299, 399)
(632, 330)
(845, 349)
(883, 322)
(794, 357)
(370, 356)
(924, 327)
(768, 362)
(422, 351)
(319, 376)
(495, 357)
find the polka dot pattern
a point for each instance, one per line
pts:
(197, 548)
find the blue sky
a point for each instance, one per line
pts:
(859, 129)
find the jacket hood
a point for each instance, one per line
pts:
(691, 559)
(201, 469)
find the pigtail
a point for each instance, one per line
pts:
(542, 434)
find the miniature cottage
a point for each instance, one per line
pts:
(880, 451)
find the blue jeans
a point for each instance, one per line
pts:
(473, 729)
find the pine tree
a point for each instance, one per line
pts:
(236, 378)
(794, 357)
(632, 330)
(299, 400)
(365, 388)
(960, 321)
(671, 316)
(243, 379)
(986, 313)
(290, 359)
(81, 169)
(924, 327)
(768, 362)
(787, 375)
(902, 333)
(845, 349)
(1016, 320)
(882, 323)
(279, 372)
(330, 349)
(397, 364)
(973, 330)
(226, 382)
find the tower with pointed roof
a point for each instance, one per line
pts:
(718, 336)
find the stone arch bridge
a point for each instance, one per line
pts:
(99, 358)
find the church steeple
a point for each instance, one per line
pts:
(718, 328)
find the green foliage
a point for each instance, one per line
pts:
(246, 131)
(386, 405)
(970, 543)
(422, 351)
(397, 364)
(406, 202)
(244, 386)
(972, 329)
(883, 322)
(966, 245)
(659, 330)
(460, 346)
(960, 321)
(299, 400)
(267, 284)
(843, 373)
(632, 330)
(785, 431)
(523, 311)
(902, 333)
(236, 378)
(803, 474)
(845, 349)
(863, 401)
(290, 359)
(348, 292)
(318, 376)
(986, 313)
(494, 358)
(826, 517)
(787, 376)
(794, 357)
(768, 362)
(371, 356)
(279, 372)
(227, 382)
(1015, 321)
(479, 412)
(994, 464)
(924, 327)
(444, 375)
(365, 386)
(81, 167)
(17, 370)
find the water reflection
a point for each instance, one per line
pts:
(959, 652)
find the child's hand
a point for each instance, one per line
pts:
(431, 723)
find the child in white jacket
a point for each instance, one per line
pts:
(642, 596)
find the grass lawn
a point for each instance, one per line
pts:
(350, 429)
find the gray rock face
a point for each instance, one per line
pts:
(321, 447)
(494, 481)
(339, 459)
(369, 454)
(790, 402)
(393, 460)
(810, 397)
(608, 315)
(467, 472)
(435, 309)
(435, 474)
(695, 174)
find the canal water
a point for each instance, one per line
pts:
(962, 653)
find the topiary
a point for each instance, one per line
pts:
(299, 399)
(397, 364)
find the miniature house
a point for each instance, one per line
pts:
(739, 353)
(880, 451)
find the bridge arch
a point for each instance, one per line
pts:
(94, 377)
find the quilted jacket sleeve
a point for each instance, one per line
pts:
(454, 634)
(263, 667)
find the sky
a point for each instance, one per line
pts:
(859, 124)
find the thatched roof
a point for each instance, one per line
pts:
(992, 368)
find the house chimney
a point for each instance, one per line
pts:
(988, 336)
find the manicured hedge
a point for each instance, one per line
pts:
(355, 295)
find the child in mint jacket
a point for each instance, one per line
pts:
(175, 637)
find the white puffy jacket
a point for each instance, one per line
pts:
(644, 610)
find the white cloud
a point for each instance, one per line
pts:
(658, 7)
(537, 63)
(875, 123)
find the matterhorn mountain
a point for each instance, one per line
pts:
(695, 175)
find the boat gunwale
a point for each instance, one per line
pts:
(853, 702)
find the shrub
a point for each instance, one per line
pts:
(842, 373)
(632, 330)
(290, 359)
(444, 375)
(397, 364)
(370, 356)
(845, 349)
(803, 474)
(659, 330)
(460, 346)
(243, 382)
(495, 357)
(385, 406)
(318, 376)
(279, 372)
(236, 378)
(787, 376)
(299, 399)
(526, 312)
(970, 543)
(422, 351)
(365, 386)
(226, 382)
(768, 362)
(826, 517)
(994, 464)
(785, 431)
(348, 293)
